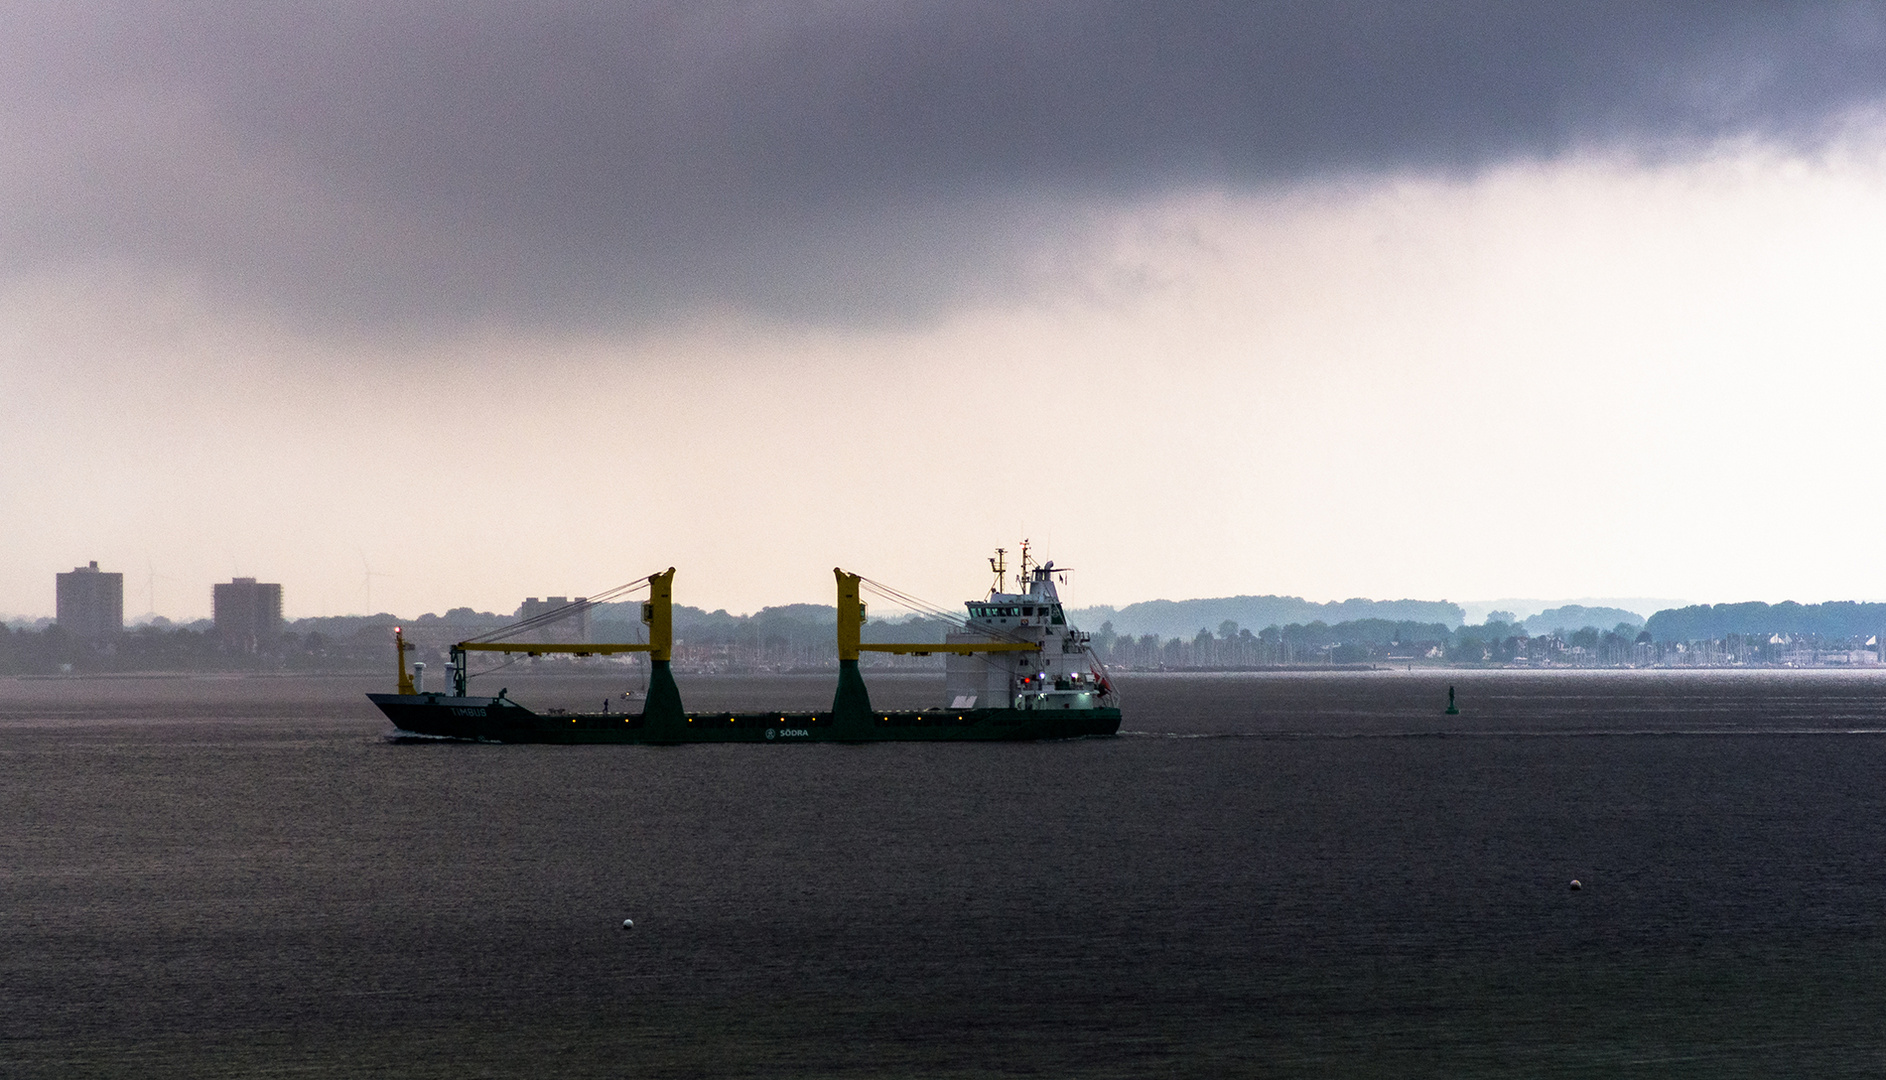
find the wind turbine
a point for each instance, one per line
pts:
(151, 578)
(369, 575)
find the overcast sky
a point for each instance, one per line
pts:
(1438, 300)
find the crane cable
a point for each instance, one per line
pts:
(921, 606)
(557, 614)
(924, 607)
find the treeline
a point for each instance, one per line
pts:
(1363, 641)
(1495, 643)
(1838, 620)
(1561, 620)
(1317, 642)
(1180, 618)
(801, 636)
(52, 651)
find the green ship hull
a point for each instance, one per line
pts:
(497, 720)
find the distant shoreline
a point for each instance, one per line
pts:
(906, 673)
(95, 676)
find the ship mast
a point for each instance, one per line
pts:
(999, 564)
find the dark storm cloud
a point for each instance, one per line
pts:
(418, 164)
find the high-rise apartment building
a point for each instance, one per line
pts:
(90, 602)
(248, 612)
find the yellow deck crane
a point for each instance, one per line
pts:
(664, 697)
(852, 703)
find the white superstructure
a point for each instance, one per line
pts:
(1063, 675)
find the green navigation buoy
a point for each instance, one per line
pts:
(1451, 710)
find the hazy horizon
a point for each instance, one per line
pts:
(456, 304)
(1475, 611)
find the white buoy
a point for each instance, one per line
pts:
(628, 924)
(1576, 885)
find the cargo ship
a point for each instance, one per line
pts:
(1014, 670)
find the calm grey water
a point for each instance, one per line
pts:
(1267, 876)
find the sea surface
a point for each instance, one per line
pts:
(1314, 875)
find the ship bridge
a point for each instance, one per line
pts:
(1014, 650)
(1059, 674)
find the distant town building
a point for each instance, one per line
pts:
(248, 612)
(572, 627)
(90, 602)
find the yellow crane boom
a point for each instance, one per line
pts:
(532, 648)
(657, 612)
(851, 629)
